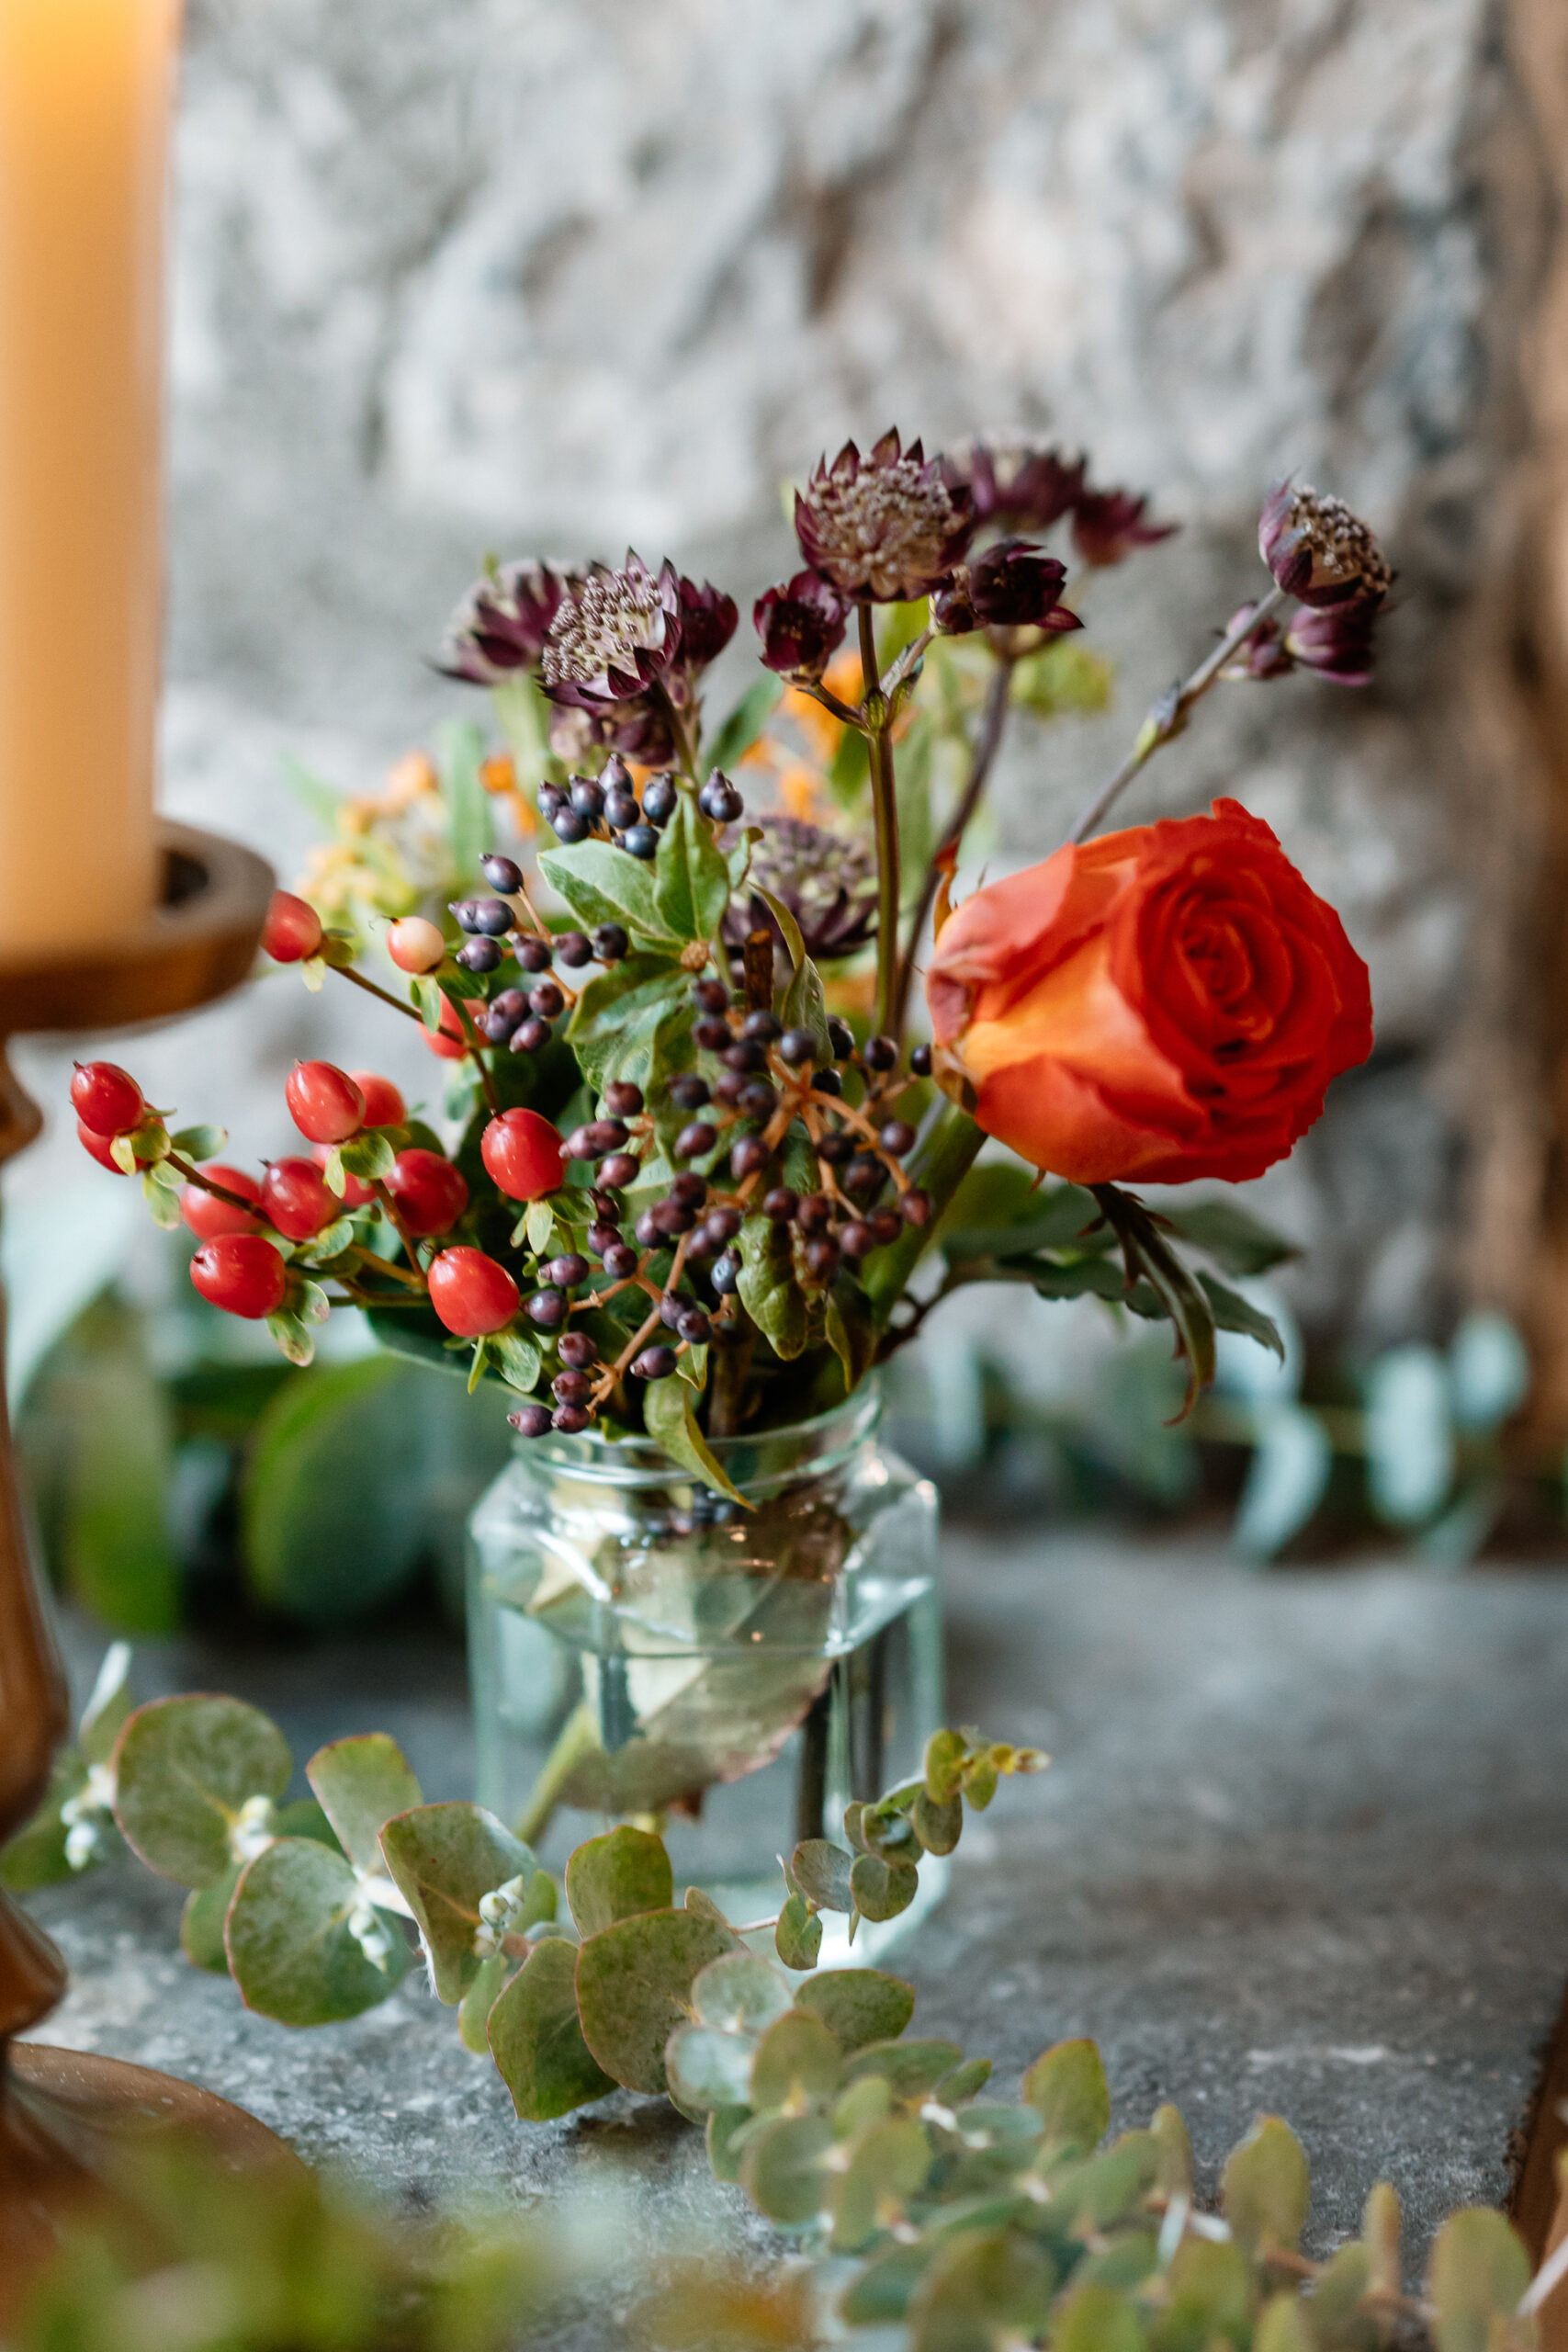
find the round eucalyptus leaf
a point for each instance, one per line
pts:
(985, 2288)
(913, 2069)
(183, 1770)
(536, 2041)
(741, 1994)
(860, 2005)
(797, 1939)
(618, 1876)
(203, 1919)
(292, 1950)
(706, 2068)
(783, 2170)
(889, 2166)
(882, 1889)
(798, 2063)
(633, 1985)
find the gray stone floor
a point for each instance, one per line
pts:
(1304, 1847)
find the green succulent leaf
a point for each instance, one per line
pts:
(797, 1939)
(203, 1919)
(740, 1993)
(708, 2068)
(1174, 2177)
(361, 1782)
(783, 2171)
(821, 1872)
(183, 1770)
(911, 2069)
(634, 1983)
(964, 2082)
(938, 1826)
(798, 2063)
(859, 2004)
(443, 1860)
(882, 1888)
(1067, 2089)
(1477, 2272)
(879, 2295)
(618, 1876)
(1095, 2318)
(1266, 2188)
(474, 2009)
(889, 2164)
(1209, 2298)
(724, 2143)
(984, 2289)
(537, 2039)
(292, 1950)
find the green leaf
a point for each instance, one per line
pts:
(1095, 2318)
(1338, 2316)
(881, 1888)
(163, 1205)
(724, 2155)
(965, 2082)
(667, 1410)
(203, 1919)
(821, 1871)
(184, 1767)
(1379, 2236)
(602, 884)
(367, 1156)
(881, 2292)
(634, 1983)
(1064, 676)
(946, 1755)
(460, 748)
(518, 1360)
(474, 2009)
(618, 1876)
(1478, 2270)
(782, 2172)
(1174, 2177)
(984, 2290)
(851, 1334)
(741, 727)
(889, 2167)
(1067, 2089)
(708, 2068)
(997, 1211)
(859, 2004)
(742, 1993)
(769, 1291)
(291, 1950)
(913, 2069)
(805, 1006)
(634, 1023)
(445, 1859)
(537, 2039)
(690, 880)
(361, 1782)
(795, 943)
(326, 1245)
(1234, 1313)
(797, 2065)
(1237, 1241)
(1287, 1478)
(797, 1939)
(938, 1826)
(1265, 2188)
(1209, 2301)
(1146, 1253)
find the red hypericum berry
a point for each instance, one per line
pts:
(106, 1098)
(451, 1040)
(355, 1194)
(416, 945)
(101, 1148)
(384, 1106)
(208, 1218)
(292, 930)
(297, 1197)
(430, 1192)
(242, 1274)
(323, 1102)
(471, 1293)
(522, 1153)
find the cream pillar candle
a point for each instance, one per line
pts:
(85, 98)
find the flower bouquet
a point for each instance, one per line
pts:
(698, 1181)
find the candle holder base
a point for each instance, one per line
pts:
(71, 2122)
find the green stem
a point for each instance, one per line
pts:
(885, 809)
(940, 1162)
(577, 1737)
(985, 751)
(1168, 717)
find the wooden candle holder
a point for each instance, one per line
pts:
(66, 2117)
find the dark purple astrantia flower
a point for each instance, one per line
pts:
(1319, 551)
(1109, 524)
(1338, 642)
(502, 624)
(827, 881)
(1017, 487)
(708, 619)
(801, 626)
(1010, 585)
(615, 635)
(884, 529)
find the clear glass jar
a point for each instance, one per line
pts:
(641, 1650)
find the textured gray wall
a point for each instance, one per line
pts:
(558, 274)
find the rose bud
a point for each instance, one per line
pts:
(1011, 586)
(1163, 1003)
(1109, 524)
(1318, 551)
(801, 626)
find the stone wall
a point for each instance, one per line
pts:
(529, 275)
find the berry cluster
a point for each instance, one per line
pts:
(606, 808)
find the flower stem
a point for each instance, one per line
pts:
(347, 972)
(884, 808)
(986, 752)
(1168, 717)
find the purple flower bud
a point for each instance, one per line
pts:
(1318, 551)
(1109, 524)
(500, 627)
(801, 626)
(1010, 585)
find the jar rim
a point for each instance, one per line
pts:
(753, 1459)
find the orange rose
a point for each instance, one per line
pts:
(1166, 1002)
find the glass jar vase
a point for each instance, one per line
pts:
(644, 1650)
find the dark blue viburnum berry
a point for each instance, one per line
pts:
(573, 948)
(501, 873)
(547, 1309)
(797, 1045)
(533, 955)
(532, 1037)
(659, 799)
(719, 800)
(571, 1419)
(587, 797)
(641, 841)
(570, 827)
(921, 1061)
(530, 1421)
(726, 1274)
(479, 954)
(610, 943)
(620, 810)
(576, 1351)
(654, 1364)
